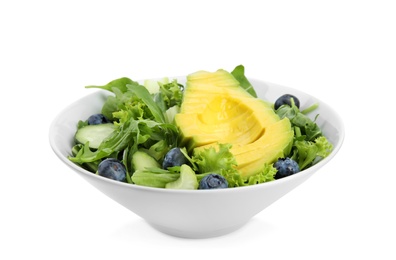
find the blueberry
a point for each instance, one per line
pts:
(213, 181)
(285, 167)
(113, 169)
(174, 158)
(285, 100)
(97, 119)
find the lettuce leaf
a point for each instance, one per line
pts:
(324, 146)
(236, 180)
(209, 160)
(172, 93)
(306, 153)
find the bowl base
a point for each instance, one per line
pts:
(196, 234)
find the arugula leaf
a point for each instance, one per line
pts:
(310, 109)
(85, 155)
(239, 74)
(306, 126)
(120, 84)
(90, 166)
(129, 133)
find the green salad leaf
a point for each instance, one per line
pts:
(267, 174)
(306, 153)
(305, 125)
(309, 143)
(172, 93)
(146, 98)
(120, 84)
(239, 74)
(209, 160)
(234, 178)
(141, 120)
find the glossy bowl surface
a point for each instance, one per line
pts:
(193, 213)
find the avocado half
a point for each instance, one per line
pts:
(216, 109)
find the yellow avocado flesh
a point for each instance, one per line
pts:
(235, 132)
(273, 134)
(203, 95)
(220, 79)
(273, 144)
(216, 109)
(226, 119)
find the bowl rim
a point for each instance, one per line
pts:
(301, 174)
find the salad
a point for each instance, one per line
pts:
(213, 132)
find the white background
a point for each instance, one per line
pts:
(343, 52)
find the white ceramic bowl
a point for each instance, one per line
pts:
(193, 213)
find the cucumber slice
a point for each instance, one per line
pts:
(94, 134)
(187, 180)
(141, 161)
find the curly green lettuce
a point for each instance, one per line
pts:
(223, 162)
(306, 153)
